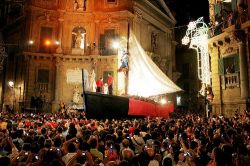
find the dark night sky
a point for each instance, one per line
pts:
(188, 10)
(185, 11)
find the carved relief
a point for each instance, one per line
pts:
(46, 16)
(80, 5)
(228, 50)
(162, 62)
(154, 43)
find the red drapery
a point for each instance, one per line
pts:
(144, 108)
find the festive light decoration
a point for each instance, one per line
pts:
(197, 38)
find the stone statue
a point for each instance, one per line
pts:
(76, 95)
(79, 39)
(76, 5)
(80, 5)
(92, 82)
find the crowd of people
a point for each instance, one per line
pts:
(61, 139)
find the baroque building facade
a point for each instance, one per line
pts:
(229, 51)
(62, 43)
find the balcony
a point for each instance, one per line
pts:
(228, 19)
(232, 80)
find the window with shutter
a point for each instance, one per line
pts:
(221, 67)
(236, 63)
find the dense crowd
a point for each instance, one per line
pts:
(71, 139)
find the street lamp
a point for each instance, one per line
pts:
(11, 85)
(31, 42)
(197, 38)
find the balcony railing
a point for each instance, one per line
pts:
(232, 80)
(43, 87)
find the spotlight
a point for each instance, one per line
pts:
(115, 45)
(163, 101)
(47, 42)
(11, 84)
(31, 42)
(57, 42)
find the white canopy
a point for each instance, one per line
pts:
(145, 78)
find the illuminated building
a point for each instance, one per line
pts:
(229, 52)
(58, 38)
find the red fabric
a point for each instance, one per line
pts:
(99, 83)
(110, 80)
(143, 108)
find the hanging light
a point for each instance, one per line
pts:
(185, 40)
(191, 25)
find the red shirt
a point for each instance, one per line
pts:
(110, 80)
(99, 83)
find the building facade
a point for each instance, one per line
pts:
(229, 51)
(63, 43)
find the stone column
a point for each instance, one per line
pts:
(243, 70)
(211, 11)
(59, 49)
(57, 87)
(96, 37)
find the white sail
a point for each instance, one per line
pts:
(145, 78)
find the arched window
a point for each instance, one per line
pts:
(78, 37)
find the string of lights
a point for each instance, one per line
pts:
(211, 27)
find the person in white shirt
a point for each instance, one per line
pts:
(138, 141)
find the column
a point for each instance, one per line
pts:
(243, 70)
(211, 11)
(96, 37)
(59, 49)
(55, 103)
(57, 91)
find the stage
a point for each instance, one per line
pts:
(102, 106)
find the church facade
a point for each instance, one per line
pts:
(69, 44)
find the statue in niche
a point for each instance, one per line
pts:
(80, 5)
(76, 5)
(76, 95)
(78, 36)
